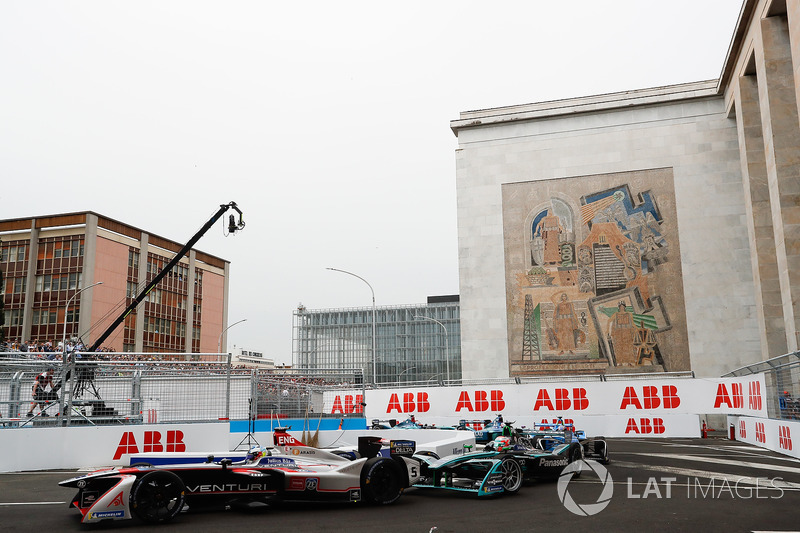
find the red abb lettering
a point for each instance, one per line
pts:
(742, 429)
(563, 402)
(784, 438)
(579, 399)
(761, 434)
(480, 402)
(498, 403)
(175, 441)
(669, 397)
(738, 400)
(646, 426)
(152, 442)
(127, 444)
(543, 400)
(410, 403)
(754, 395)
(722, 397)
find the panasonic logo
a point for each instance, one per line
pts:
(555, 462)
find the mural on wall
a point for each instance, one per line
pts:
(592, 269)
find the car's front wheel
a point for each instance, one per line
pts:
(157, 496)
(381, 481)
(512, 475)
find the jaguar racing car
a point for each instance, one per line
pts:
(288, 473)
(501, 467)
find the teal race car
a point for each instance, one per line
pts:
(500, 468)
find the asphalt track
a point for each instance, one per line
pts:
(658, 485)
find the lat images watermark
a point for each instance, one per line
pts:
(690, 487)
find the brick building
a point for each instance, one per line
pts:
(47, 260)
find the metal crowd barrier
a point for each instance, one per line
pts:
(782, 377)
(102, 389)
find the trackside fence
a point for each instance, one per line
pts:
(782, 377)
(102, 389)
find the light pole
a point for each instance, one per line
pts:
(403, 372)
(219, 343)
(374, 367)
(446, 342)
(66, 311)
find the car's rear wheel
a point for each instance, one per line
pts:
(157, 496)
(381, 481)
(512, 475)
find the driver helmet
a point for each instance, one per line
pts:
(502, 444)
(254, 454)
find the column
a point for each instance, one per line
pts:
(769, 303)
(30, 283)
(141, 281)
(781, 133)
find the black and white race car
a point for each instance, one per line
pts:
(291, 472)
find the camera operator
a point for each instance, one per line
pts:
(41, 396)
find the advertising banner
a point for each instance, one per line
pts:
(527, 404)
(782, 436)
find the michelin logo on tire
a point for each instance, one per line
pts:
(585, 509)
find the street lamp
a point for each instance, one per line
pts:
(219, 343)
(66, 311)
(374, 368)
(403, 372)
(446, 342)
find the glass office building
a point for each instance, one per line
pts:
(393, 344)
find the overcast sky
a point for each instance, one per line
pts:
(327, 122)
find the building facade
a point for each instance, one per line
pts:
(645, 231)
(48, 261)
(394, 344)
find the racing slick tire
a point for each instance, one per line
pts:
(512, 475)
(157, 496)
(576, 454)
(604, 460)
(381, 481)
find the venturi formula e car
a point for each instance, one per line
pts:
(291, 472)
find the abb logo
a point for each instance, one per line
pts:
(481, 401)
(554, 422)
(563, 401)
(411, 403)
(656, 426)
(761, 435)
(734, 400)
(742, 429)
(650, 399)
(784, 438)
(151, 443)
(349, 406)
(754, 393)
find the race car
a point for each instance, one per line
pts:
(501, 467)
(290, 472)
(485, 430)
(547, 436)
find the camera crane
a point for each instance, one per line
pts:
(233, 227)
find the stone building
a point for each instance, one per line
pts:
(650, 230)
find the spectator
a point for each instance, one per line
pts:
(41, 396)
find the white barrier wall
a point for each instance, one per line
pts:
(782, 436)
(666, 407)
(653, 408)
(100, 446)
